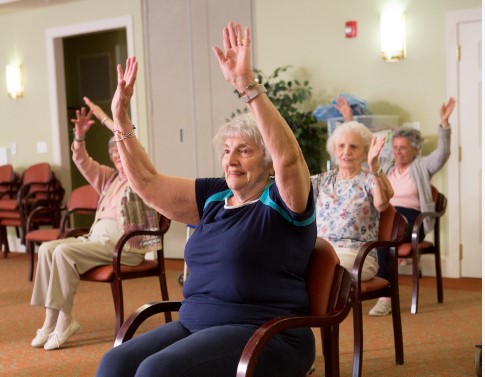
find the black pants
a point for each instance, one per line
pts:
(383, 253)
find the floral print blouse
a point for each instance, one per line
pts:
(346, 215)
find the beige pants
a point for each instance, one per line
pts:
(347, 259)
(60, 263)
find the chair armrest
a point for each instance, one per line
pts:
(254, 346)
(129, 327)
(124, 239)
(38, 211)
(364, 250)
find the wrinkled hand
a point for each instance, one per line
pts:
(445, 112)
(343, 106)
(374, 151)
(83, 122)
(124, 92)
(235, 61)
(95, 109)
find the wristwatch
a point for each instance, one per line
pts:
(252, 91)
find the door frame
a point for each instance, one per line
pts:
(453, 262)
(61, 151)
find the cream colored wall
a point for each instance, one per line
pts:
(22, 37)
(309, 35)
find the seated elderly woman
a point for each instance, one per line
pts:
(250, 250)
(410, 175)
(349, 199)
(62, 261)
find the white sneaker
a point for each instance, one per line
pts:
(41, 337)
(57, 339)
(381, 309)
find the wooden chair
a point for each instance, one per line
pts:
(38, 186)
(415, 249)
(392, 229)
(115, 273)
(330, 288)
(82, 201)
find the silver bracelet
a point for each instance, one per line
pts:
(104, 120)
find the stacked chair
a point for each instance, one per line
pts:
(38, 186)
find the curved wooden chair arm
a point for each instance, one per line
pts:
(133, 322)
(343, 288)
(38, 211)
(364, 250)
(124, 239)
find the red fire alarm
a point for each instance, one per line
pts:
(351, 29)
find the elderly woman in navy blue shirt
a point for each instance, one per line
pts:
(247, 257)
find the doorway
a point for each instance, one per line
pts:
(465, 165)
(90, 70)
(66, 88)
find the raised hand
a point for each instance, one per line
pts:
(343, 106)
(96, 110)
(374, 151)
(235, 60)
(124, 92)
(445, 112)
(83, 122)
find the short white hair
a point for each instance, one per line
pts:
(243, 125)
(353, 127)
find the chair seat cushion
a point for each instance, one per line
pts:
(8, 205)
(406, 249)
(105, 273)
(9, 215)
(373, 284)
(43, 235)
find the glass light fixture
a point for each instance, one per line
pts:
(15, 87)
(393, 36)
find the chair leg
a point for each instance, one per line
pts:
(117, 292)
(330, 344)
(164, 290)
(397, 328)
(31, 253)
(358, 339)
(439, 278)
(4, 241)
(415, 294)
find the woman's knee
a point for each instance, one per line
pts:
(115, 363)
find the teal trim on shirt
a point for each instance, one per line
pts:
(218, 197)
(266, 200)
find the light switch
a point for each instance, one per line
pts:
(13, 148)
(41, 147)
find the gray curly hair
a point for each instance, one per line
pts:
(243, 126)
(354, 127)
(412, 134)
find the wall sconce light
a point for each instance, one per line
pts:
(15, 87)
(393, 36)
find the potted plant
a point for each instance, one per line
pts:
(289, 97)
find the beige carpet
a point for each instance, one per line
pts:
(439, 341)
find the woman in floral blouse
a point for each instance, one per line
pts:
(349, 198)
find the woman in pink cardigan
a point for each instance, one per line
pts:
(61, 262)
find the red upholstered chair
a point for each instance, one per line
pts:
(330, 288)
(82, 201)
(115, 273)
(9, 182)
(38, 186)
(415, 249)
(392, 229)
